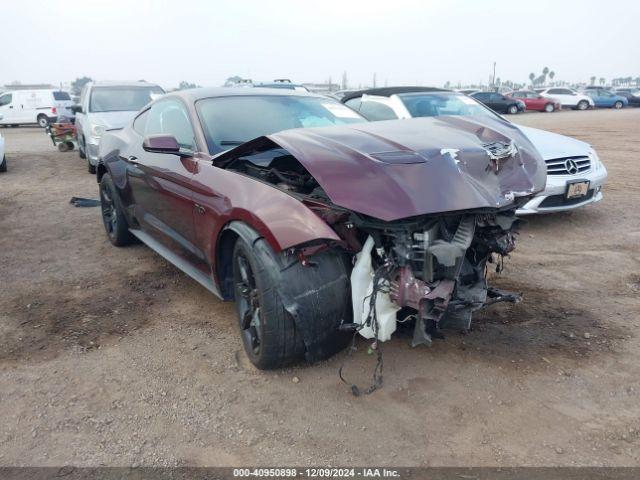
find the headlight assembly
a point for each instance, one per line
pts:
(595, 160)
(97, 130)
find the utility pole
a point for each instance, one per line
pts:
(374, 80)
(493, 79)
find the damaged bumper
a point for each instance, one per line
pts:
(431, 271)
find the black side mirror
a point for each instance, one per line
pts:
(76, 108)
(163, 143)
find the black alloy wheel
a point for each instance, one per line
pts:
(248, 305)
(109, 214)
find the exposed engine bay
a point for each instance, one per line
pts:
(429, 268)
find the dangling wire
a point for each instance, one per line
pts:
(380, 278)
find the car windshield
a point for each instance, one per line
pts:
(122, 99)
(443, 103)
(230, 121)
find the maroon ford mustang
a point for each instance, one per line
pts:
(316, 222)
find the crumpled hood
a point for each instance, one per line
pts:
(111, 119)
(402, 168)
(552, 145)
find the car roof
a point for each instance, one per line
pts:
(388, 91)
(195, 94)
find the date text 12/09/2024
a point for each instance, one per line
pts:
(316, 472)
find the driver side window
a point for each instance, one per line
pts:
(5, 99)
(170, 117)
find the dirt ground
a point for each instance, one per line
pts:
(113, 357)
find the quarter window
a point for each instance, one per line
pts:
(354, 103)
(377, 111)
(170, 117)
(140, 123)
(61, 96)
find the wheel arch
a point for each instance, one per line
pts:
(224, 252)
(100, 171)
(327, 284)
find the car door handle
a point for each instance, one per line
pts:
(199, 208)
(132, 159)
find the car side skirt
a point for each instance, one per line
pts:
(205, 280)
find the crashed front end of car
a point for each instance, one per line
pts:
(420, 207)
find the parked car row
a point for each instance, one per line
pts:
(554, 98)
(284, 200)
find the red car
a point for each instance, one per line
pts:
(535, 101)
(350, 226)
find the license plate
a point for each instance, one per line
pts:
(577, 189)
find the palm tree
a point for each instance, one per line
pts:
(593, 80)
(545, 71)
(551, 75)
(532, 77)
(603, 81)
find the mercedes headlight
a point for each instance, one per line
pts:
(595, 160)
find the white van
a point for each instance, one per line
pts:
(34, 106)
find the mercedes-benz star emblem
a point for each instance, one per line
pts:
(571, 166)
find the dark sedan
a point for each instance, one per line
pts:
(631, 94)
(500, 103)
(349, 226)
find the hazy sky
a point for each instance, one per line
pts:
(403, 41)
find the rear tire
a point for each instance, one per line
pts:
(549, 108)
(618, 105)
(43, 121)
(583, 105)
(513, 109)
(113, 218)
(91, 168)
(3, 165)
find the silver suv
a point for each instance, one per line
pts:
(105, 106)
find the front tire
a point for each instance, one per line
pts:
(113, 218)
(513, 109)
(549, 108)
(269, 334)
(91, 168)
(583, 105)
(618, 105)
(43, 121)
(81, 147)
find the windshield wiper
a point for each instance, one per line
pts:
(231, 142)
